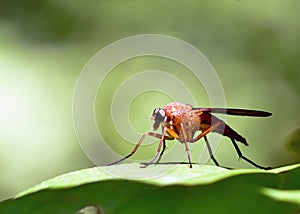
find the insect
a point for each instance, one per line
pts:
(181, 121)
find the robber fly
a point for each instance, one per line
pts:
(181, 121)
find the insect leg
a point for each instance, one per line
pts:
(186, 145)
(158, 148)
(164, 147)
(245, 158)
(210, 129)
(137, 146)
(188, 153)
(162, 152)
(210, 151)
(203, 134)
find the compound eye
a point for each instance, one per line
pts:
(159, 115)
(155, 111)
(162, 113)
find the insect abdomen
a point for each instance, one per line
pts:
(207, 120)
(229, 132)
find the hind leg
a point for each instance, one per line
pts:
(245, 158)
(210, 151)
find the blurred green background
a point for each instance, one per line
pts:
(253, 45)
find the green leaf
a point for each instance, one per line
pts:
(203, 189)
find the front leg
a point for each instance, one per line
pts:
(162, 140)
(155, 135)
